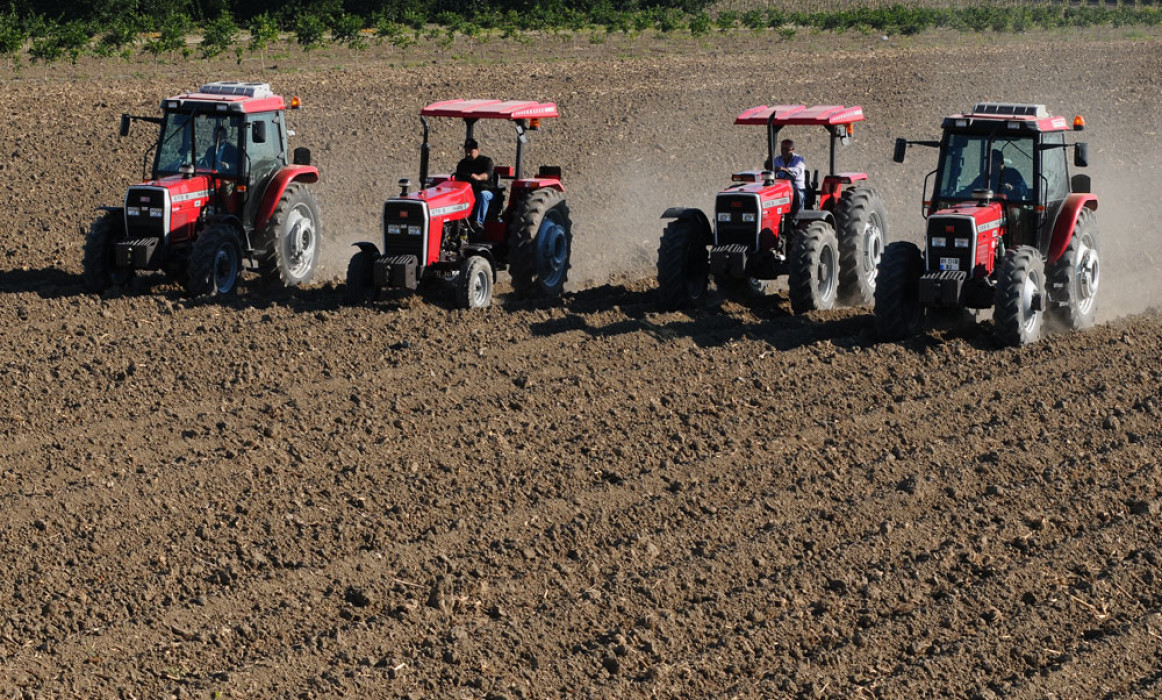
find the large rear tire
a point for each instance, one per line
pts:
(215, 262)
(1018, 314)
(294, 236)
(99, 271)
(813, 283)
(683, 264)
(541, 243)
(1075, 276)
(898, 312)
(861, 224)
(474, 286)
(360, 287)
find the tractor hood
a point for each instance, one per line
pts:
(964, 237)
(447, 199)
(166, 208)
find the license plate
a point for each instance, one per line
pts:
(949, 264)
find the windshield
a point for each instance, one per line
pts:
(208, 142)
(971, 162)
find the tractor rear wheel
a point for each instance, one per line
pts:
(683, 264)
(99, 271)
(898, 312)
(540, 242)
(813, 282)
(215, 262)
(474, 285)
(1075, 276)
(360, 287)
(293, 234)
(1018, 312)
(862, 227)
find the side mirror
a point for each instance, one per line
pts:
(1081, 155)
(302, 156)
(259, 132)
(124, 131)
(901, 149)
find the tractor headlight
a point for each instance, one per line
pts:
(394, 229)
(748, 217)
(133, 211)
(962, 242)
(939, 242)
(415, 230)
(724, 216)
(156, 212)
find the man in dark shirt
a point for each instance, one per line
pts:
(476, 169)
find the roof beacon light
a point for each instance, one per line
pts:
(534, 123)
(850, 129)
(1079, 123)
(295, 102)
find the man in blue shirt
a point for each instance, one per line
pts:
(789, 165)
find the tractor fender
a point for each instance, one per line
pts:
(808, 215)
(278, 185)
(483, 250)
(695, 216)
(1067, 221)
(367, 247)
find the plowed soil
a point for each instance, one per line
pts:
(280, 496)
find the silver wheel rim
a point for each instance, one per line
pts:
(552, 250)
(1030, 318)
(826, 274)
(300, 241)
(478, 286)
(1088, 277)
(873, 250)
(225, 268)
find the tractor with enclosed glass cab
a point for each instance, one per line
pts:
(1008, 229)
(828, 245)
(221, 190)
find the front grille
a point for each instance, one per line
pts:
(947, 257)
(730, 229)
(412, 217)
(141, 224)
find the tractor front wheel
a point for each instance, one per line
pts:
(215, 262)
(862, 228)
(1018, 312)
(1075, 276)
(683, 264)
(813, 282)
(541, 241)
(474, 286)
(360, 287)
(293, 234)
(898, 312)
(99, 271)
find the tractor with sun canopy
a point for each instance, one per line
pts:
(432, 232)
(1008, 229)
(828, 245)
(221, 191)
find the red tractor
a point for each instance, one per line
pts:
(829, 245)
(1008, 229)
(432, 233)
(221, 190)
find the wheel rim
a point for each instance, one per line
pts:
(225, 269)
(300, 241)
(1088, 277)
(552, 250)
(826, 273)
(873, 250)
(1030, 317)
(478, 286)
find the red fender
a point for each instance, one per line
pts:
(1067, 220)
(278, 185)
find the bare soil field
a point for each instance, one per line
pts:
(281, 496)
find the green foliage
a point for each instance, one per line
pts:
(310, 32)
(46, 50)
(263, 32)
(753, 19)
(119, 35)
(727, 19)
(11, 35)
(171, 37)
(74, 37)
(347, 28)
(219, 35)
(700, 24)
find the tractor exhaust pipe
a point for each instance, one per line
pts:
(424, 151)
